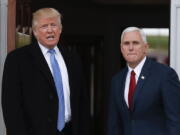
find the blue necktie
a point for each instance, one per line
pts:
(59, 87)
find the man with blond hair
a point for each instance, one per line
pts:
(43, 89)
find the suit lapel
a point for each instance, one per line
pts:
(122, 89)
(141, 80)
(67, 59)
(41, 63)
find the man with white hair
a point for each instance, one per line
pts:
(145, 95)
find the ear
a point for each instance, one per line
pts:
(34, 32)
(61, 29)
(120, 47)
(146, 47)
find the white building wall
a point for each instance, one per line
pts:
(3, 51)
(175, 36)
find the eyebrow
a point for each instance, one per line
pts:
(134, 42)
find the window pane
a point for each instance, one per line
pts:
(158, 39)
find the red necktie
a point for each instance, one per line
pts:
(132, 86)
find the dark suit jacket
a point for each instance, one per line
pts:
(29, 99)
(156, 103)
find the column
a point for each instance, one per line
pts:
(175, 36)
(3, 51)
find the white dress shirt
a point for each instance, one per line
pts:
(64, 74)
(137, 71)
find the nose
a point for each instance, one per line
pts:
(49, 28)
(131, 47)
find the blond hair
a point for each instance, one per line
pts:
(45, 13)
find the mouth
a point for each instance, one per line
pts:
(131, 54)
(51, 37)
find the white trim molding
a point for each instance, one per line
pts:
(3, 51)
(175, 36)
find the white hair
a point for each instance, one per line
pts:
(130, 29)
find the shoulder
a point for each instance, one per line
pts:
(120, 75)
(161, 69)
(19, 51)
(67, 51)
(17, 54)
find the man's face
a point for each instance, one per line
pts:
(48, 31)
(133, 48)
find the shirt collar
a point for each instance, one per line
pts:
(138, 68)
(45, 49)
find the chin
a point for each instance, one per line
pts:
(49, 46)
(132, 60)
(52, 43)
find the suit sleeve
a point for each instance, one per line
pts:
(11, 98)
(114, 119)
(171, 98)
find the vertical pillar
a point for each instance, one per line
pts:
(3, 51)
(174, 36)
(11, 29)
